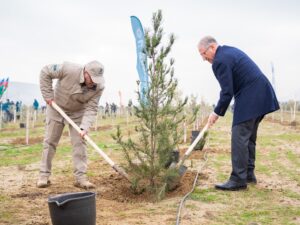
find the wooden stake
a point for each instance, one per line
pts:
(295, 106)
(27, 126)
(291, 110)
(15, 114)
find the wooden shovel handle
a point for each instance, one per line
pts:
(192, 146)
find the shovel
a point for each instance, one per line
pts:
(181, 168)
(89, 140)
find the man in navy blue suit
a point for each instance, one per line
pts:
(239, 78)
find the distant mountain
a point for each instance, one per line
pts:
(25, 92)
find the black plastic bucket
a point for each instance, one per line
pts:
(195, 134)
(73, 208)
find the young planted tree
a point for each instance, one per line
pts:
(160, 118)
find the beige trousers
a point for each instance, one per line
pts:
(53, 134)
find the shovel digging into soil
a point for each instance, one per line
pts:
(90, 141)
(180, 167)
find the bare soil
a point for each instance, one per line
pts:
(115, 200)
(25, 204)
(22, 141)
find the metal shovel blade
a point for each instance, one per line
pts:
(182, 170)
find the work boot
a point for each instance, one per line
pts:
(231, 185)
(43, 182)
(85, 184)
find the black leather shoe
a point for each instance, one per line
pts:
(231, 186)
(251, 179)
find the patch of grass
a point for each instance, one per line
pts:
(274, 140)
(267, 141)
(216, 164)
(219, 138)
(257, 205)
(273, 155)
(63, 152)
(289, 137)
(204, 195)
(191, 206)
(268, 215)
(291, 194)
(5, 214)
(4, 145)
(28, 154)
(263, 169)
(12, 133)
(222, 176)
(94, 173)
(223, 157)
(261, 165)
(20, 156)
(294, 158)
(262, 216)
(3, 198)
(258, 194)
(287, 171)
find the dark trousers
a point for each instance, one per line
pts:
(243, 143)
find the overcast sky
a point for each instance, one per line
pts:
(35, 33)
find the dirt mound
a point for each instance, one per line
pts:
(118, 189)
(112, 187)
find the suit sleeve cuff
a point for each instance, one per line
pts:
(215, 113)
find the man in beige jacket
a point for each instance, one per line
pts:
(77, 92)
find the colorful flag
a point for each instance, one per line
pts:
(141, 64)
(6, 83)
(3, 86)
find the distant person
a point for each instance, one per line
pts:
(36, 105)
(239, 78)
(77, 92)
(106, 112)
(18, 106)
(18, 109)
(43, 109)
(113, 109)
(130, 104)
(6, 108)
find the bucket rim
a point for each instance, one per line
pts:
(90, 193)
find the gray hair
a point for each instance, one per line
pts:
(207, 41)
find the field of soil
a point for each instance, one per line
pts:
(274, 200)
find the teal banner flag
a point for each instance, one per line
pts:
(141, 64)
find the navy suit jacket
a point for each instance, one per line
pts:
(240, 77)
